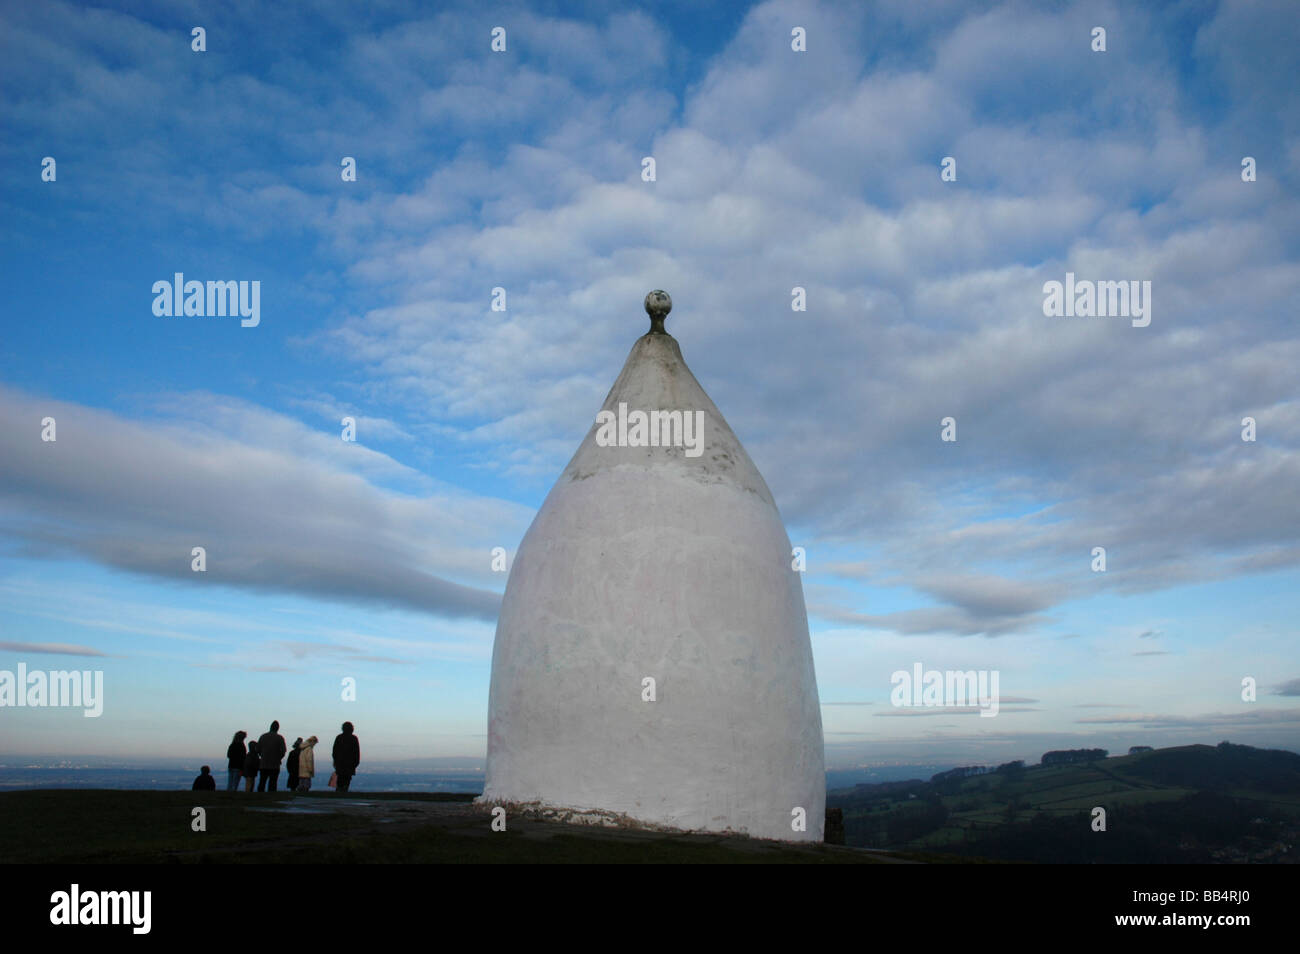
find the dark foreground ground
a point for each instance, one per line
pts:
(115, 827)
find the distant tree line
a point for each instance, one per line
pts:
(966, 771)
(1225, 767)
(1066, 756)
(947, 781)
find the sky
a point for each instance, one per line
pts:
(776, 169)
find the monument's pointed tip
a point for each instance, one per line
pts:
(657, 306)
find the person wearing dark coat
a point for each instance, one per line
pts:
(272, 748)
(347, 756)
(205, 782)
(291, 765)
(235, 756)
(251, 763)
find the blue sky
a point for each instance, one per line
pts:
(774, 169)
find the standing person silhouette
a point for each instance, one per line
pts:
(272, 747)
(291, 766)
(347, 756)
(235, 756)
(251, 762)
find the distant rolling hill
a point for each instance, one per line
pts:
(1189, 804)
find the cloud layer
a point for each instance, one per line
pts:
(279, 508)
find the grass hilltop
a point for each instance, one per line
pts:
(97, 826)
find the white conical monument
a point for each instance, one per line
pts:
(652, 661)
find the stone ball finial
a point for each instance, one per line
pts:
(657, 306)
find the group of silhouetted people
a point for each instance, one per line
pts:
(260, 762)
